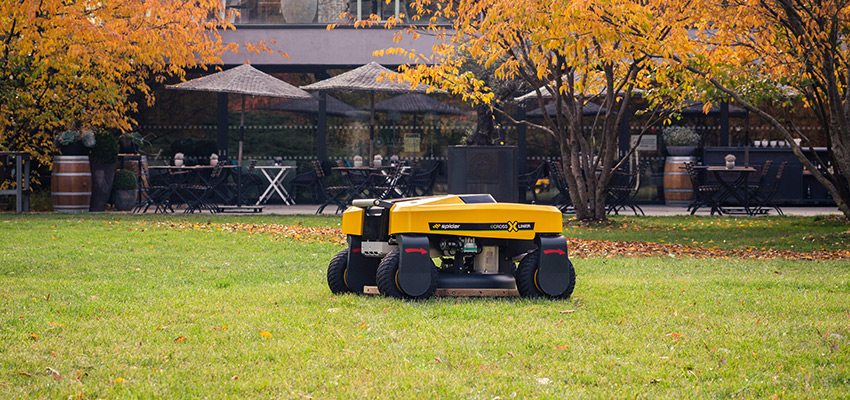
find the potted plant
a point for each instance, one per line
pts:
(103, 157)
(680, 140)
(124, 190)
(129, 142)
(74, 142)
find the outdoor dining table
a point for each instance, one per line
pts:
(181, 182)
(733, 185)
(275, 183)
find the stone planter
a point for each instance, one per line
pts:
(681, 150)
(101, 178)
(124, 200)
(74, 149)
(484, 169)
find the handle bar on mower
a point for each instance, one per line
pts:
(366, 203)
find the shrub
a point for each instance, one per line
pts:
(105, 150)
(680, 136)
(124, 180)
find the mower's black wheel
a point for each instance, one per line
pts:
(526, 278)
(336, 273)
(387, 283)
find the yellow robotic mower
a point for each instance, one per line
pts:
(393, 245)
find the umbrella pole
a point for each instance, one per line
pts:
(371, 126)
(241, 138)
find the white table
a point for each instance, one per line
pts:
(280, 173)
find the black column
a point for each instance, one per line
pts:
(625, 136)
(522, 140)
(322, 128)
(222, 126)
(724, 124)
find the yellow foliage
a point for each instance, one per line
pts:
(67, 63)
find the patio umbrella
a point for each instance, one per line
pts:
(368, 78)
(588, 109)
(244, 80)
(311, 106)
(416, 103)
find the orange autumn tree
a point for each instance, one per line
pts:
(76, 63)
(569, 52)
(747, 49)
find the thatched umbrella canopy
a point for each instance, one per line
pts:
(371, 78)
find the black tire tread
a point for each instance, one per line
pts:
(525, 280)
(386, 282)
(336, 273)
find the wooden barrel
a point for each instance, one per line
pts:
(71, 184)
(677, 184)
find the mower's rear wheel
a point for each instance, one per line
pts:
(336, 273)
(526, 278)
(388, 283)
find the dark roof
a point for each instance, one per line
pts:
(243, 79)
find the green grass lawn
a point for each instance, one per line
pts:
(116, 306)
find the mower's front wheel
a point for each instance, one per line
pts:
(528, 285)
(336, 273)
(387, 279)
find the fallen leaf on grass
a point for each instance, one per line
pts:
(543, 381)
(562, 347)
(180, 339)
(33, 336)
(56, 375)
(28, 375)
(266, 334)
(675, 335)
(568, 311)
(119, 381)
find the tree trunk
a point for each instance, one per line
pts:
(485, 129)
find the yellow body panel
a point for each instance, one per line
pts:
(352, 221)
(450, 216)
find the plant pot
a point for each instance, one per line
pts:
(681, 150)
(74, 149)
(102, 176)
(124, 200)
(127, 146)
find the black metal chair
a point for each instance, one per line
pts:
(528, 181)
(556, 178)
(204, 191)
(762, 196)
(391, 184)
(421, 181)
(704, 194)
(306, 181)
(622, 189)
(334, 195)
